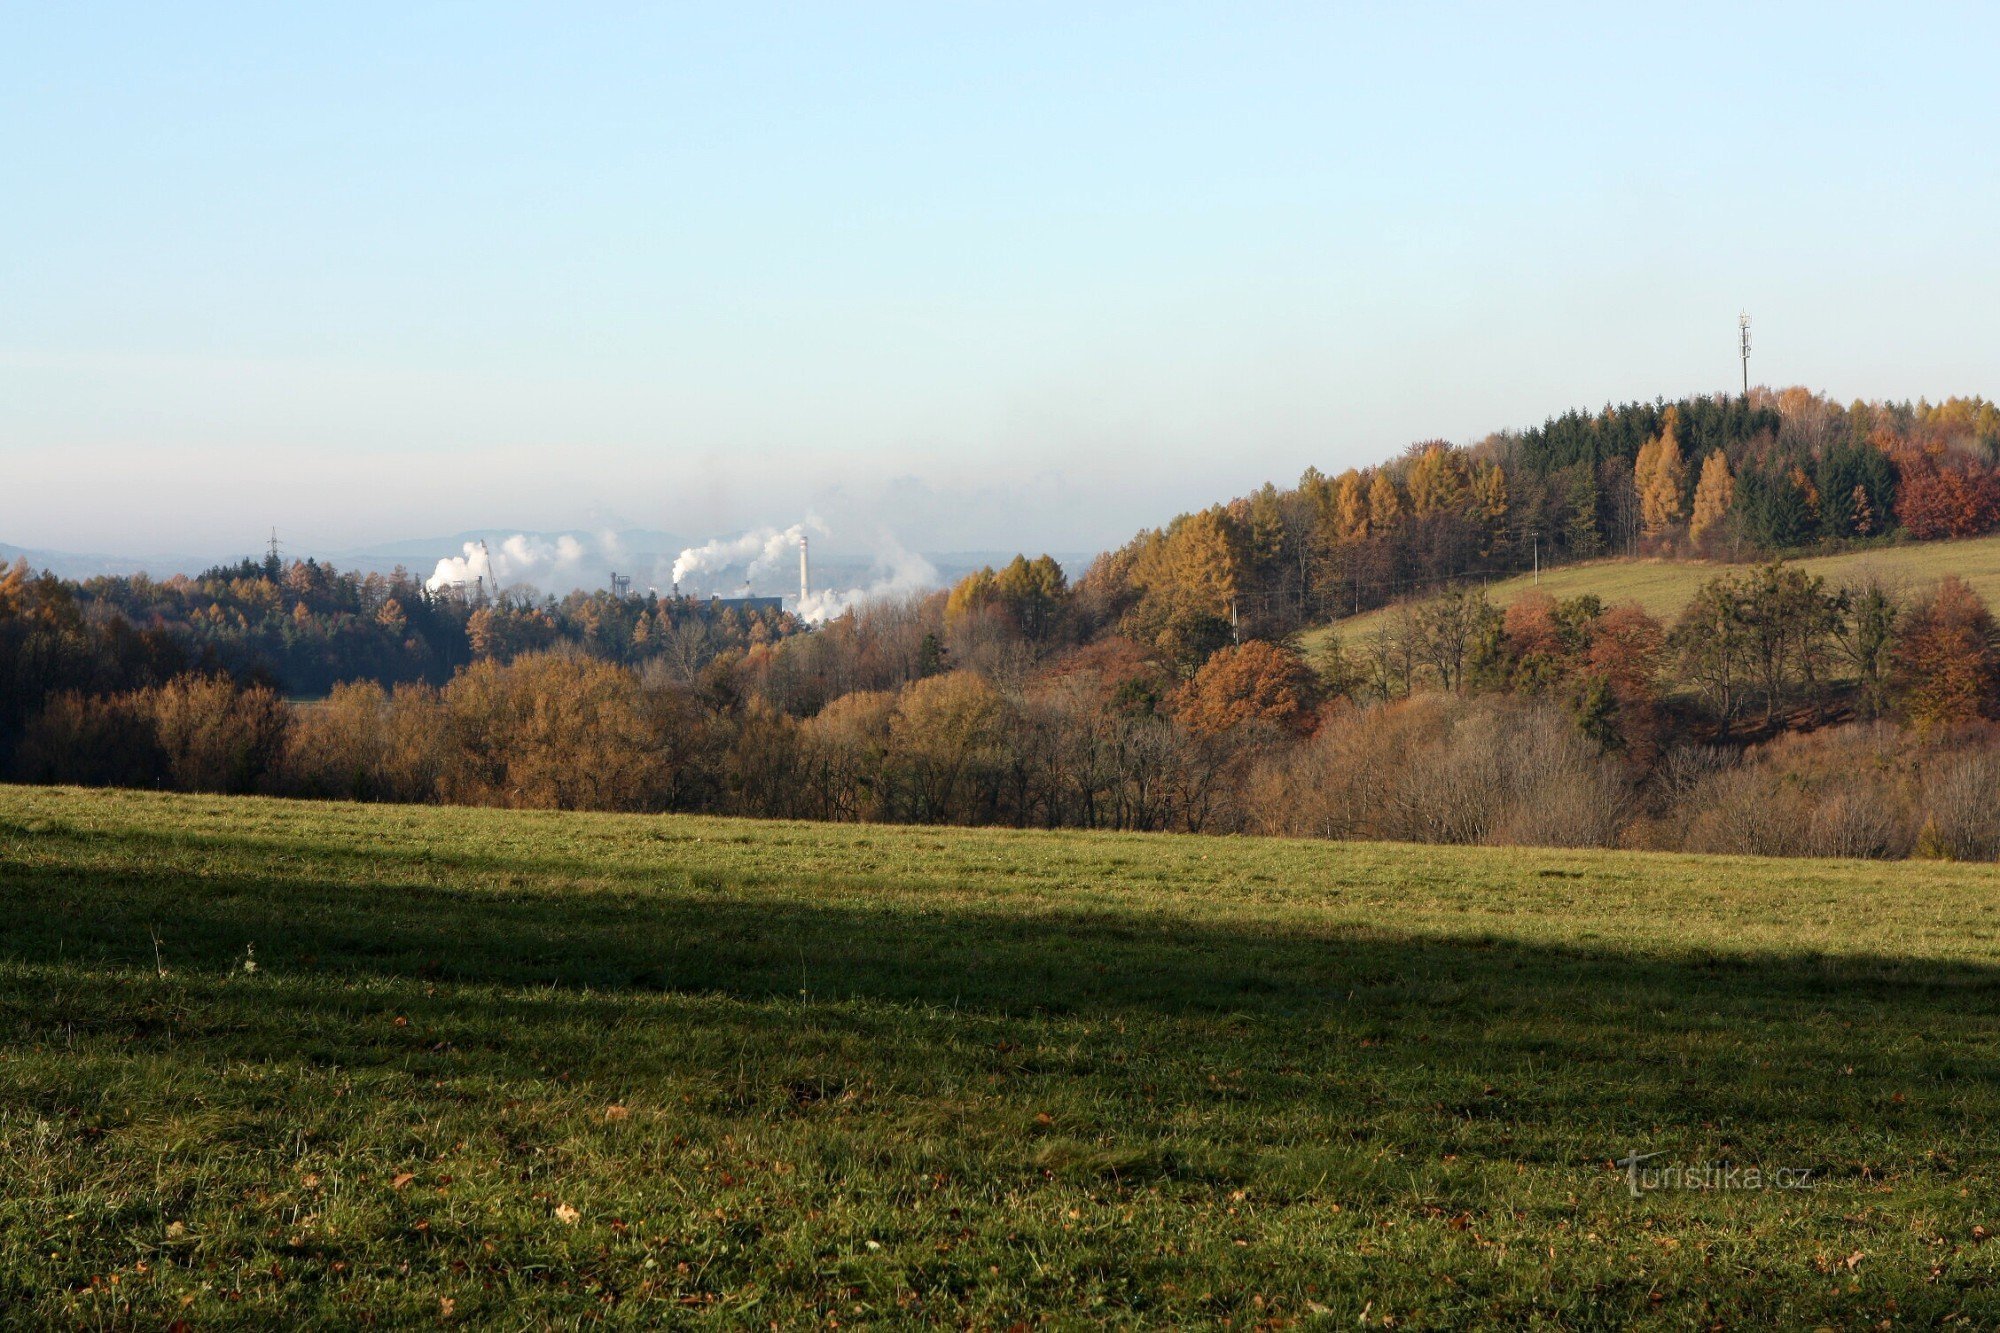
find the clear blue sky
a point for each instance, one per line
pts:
(999, 275)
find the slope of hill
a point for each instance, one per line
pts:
(301, 1065)
(1663, 587)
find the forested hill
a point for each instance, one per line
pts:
(1160, 689)
(1734, 476)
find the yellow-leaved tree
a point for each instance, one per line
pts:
(1437, 480)
(1350, 508)
(1660, 475)
(1713, 495)
(1385, 506)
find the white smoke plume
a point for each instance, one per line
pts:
(758, 550)
(518, 559)
(897, 569)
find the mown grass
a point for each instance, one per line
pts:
(1664, 587)
(540, 1069)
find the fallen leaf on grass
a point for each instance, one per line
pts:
(402, 1180)
(566, 1214)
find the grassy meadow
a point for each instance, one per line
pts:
(1664, 587)
(272, 1063)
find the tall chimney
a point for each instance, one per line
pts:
(805, 575)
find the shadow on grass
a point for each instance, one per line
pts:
(1676, 1034)
(1211, 1055)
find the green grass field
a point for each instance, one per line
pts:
(541, 1069)
(1663, 587)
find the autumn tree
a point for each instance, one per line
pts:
(216, 735)
(554, 730)
(1437, 482)
(1254, 682)
(1385, 503)
(335, 747)
(1660, 475)
(1941, 496)
(1491, 500)
(843, 751)
(91, 741)
(1350, 508)
(1031, 594)
(945, 732)
(1946, 662)
(1713, 495)
(1189, 577)
(1620, 693)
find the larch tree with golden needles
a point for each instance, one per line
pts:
(1385, 505)
(1437, 481)
(1490, 502)
(1350, 507)
(1713, 495)
(1660, 475)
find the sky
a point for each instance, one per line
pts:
(986, 276)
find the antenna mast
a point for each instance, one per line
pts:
(1743, 345)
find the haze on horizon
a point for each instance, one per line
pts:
(998, 277)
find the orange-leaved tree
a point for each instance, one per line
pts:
(1659, 474)
(1252, 682)
(1946, 660)
(1713, 495)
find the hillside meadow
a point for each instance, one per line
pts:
(1663, 587)
(266, 1062)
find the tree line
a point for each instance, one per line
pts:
(1726, 477)
(1162, 689)
(1567, 722)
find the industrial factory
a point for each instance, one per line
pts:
(750, 602)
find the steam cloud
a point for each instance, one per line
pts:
(763, 548)
(897, 570)
(565, 561)
(519, 559)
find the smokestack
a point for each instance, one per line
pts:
(805, 575)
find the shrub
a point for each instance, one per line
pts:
(1440, 769)
(216, 735)
(92, 742)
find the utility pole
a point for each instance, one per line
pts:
(1743, 344)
